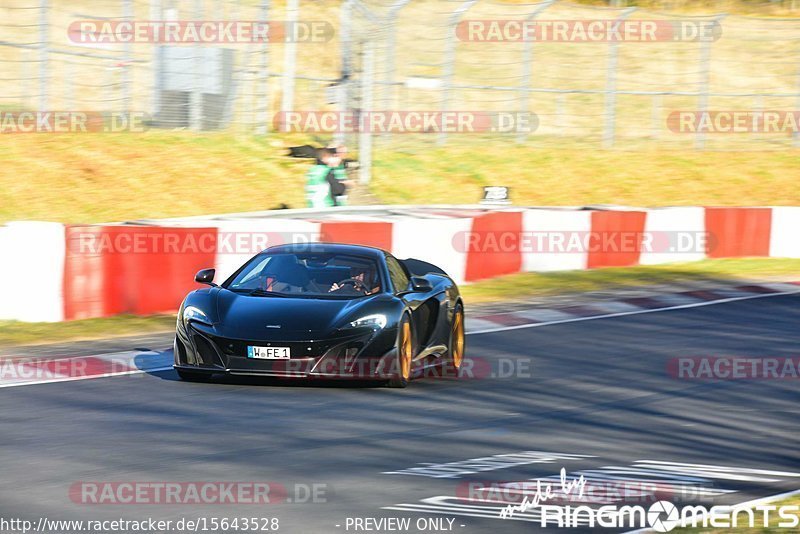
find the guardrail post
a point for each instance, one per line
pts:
(450, 59)
(609, 131)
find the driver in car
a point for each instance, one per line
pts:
(362, 280)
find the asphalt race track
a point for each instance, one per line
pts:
(595, 397)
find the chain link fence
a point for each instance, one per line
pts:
(360, 57)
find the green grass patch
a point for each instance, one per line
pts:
(14, 333)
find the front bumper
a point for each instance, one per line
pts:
(361, 354)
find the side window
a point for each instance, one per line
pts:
(398, 275)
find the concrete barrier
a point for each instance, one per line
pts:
(52, 272)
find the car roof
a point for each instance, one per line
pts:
(338, 248)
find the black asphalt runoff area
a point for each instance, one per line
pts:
(597, 395)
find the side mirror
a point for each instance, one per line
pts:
(206, 276)
(420, 284)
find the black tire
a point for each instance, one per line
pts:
(457, 344)
(405, 354)
(191, 376)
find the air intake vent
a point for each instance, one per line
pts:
(206, 352)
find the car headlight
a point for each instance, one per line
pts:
(192, 313)
(375, 321)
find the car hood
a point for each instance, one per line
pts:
(248, 317)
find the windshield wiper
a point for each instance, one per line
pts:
(264, 293)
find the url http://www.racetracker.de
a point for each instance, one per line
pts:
(149, 525)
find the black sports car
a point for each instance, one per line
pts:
(323, 310)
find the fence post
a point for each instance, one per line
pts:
(796, 134)
(156, 14)
(43, 54)
(365, 135)
(127, 62)
(655, 116)
(561, 113)
(611, 84)
(345, 31)
(196, 96)
(450, 59)
(69, 90)
(390, 27)
(705, 71)
(527, 67)
(109, 87)
(262, 97)
(290, 56)
(345, 49)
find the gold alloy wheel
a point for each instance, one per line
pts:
(405, 350)
(458, 339)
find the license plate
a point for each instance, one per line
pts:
(268, 353)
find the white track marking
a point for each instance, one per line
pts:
(623, 314)
(90, 377)
(712, 470)
(126, 363)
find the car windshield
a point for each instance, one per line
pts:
(327, 275)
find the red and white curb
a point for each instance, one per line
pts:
(531, 318)
(20, 371)
(15, 372)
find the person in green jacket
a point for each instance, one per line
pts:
(327, 181)
(318, 185)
